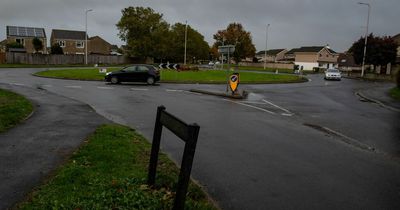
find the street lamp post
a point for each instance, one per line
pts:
(184, 59)
(366, 38)
(86, 45)
(266, 45)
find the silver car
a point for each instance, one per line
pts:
(333, 74)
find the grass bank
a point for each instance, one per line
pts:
(109, 172)
(209, 76)
(395, 93)
(51, 66)
(13, 109)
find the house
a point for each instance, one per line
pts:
(25, 36)
(3, 45)
(308, 58)
(97, 45)
(273, 55)
(346, 62)
(72, 42)
(289, 55)
(397, 40)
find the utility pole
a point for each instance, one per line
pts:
(86, 45)
(366, 38)
(266, 45)
(184, 59)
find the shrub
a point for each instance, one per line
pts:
(56, 49)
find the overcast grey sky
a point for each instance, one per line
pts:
(294, 23)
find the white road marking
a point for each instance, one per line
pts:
(254, 107)
(105, 88)
(139, 89)
(287, 114)
(74, 86)
(18, 84)
(172, 90)
(274, 105)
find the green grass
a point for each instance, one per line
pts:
(209, 76)
(13, 109)
(395, 93)
(218, 76)
(256, 68)
(51, 65)
(109, 172)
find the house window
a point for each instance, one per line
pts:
(80, 44)
(20, 41)
(320, 55)
(61, 43)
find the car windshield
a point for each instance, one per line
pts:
(333, 71)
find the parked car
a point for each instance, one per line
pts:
(333, 74)
(134, 73)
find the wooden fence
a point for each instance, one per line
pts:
(2, 57)
(27, 58)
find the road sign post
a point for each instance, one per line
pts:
(189, 134)
(227, 49)
(234, 80)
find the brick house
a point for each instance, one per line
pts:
(72, 42)
(397, 40)
(97, 45)
(273, 55)
(308, 58)
(25, 35)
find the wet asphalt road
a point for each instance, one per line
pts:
(288, 146)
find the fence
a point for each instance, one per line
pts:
(2, 57)
(27, 58)
(270, 65)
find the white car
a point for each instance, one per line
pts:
(333, 74)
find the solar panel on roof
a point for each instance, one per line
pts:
(25, 31)
(30, 32)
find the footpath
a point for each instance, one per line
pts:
(31, 151)
(380, 95)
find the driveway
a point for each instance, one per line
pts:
(312, 145)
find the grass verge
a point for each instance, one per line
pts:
(109, 172)
(51, 65)
(13, 109)
(395, 93)
(209, 76)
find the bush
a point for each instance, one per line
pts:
(398, 78)
(14, 45)
(56, 49)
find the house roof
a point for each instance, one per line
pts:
(20, 31)
(97, 37)
(312, 49)
(67, 34)
(397, 38)
(270, 52)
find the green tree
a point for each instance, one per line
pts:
(56, 49)
(37, 44)
(197, 48)
(235, 34)
(14, 45)
(143, 30)
(380, 50)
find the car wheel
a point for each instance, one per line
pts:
(114, 80)
(150, 81)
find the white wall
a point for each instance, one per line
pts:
(306, 65)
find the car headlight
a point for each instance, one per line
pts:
(108, 73)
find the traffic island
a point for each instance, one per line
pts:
(237, 95)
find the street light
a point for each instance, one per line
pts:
(266, 45)
(366, 38)
(184, 59)
(86, 46)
